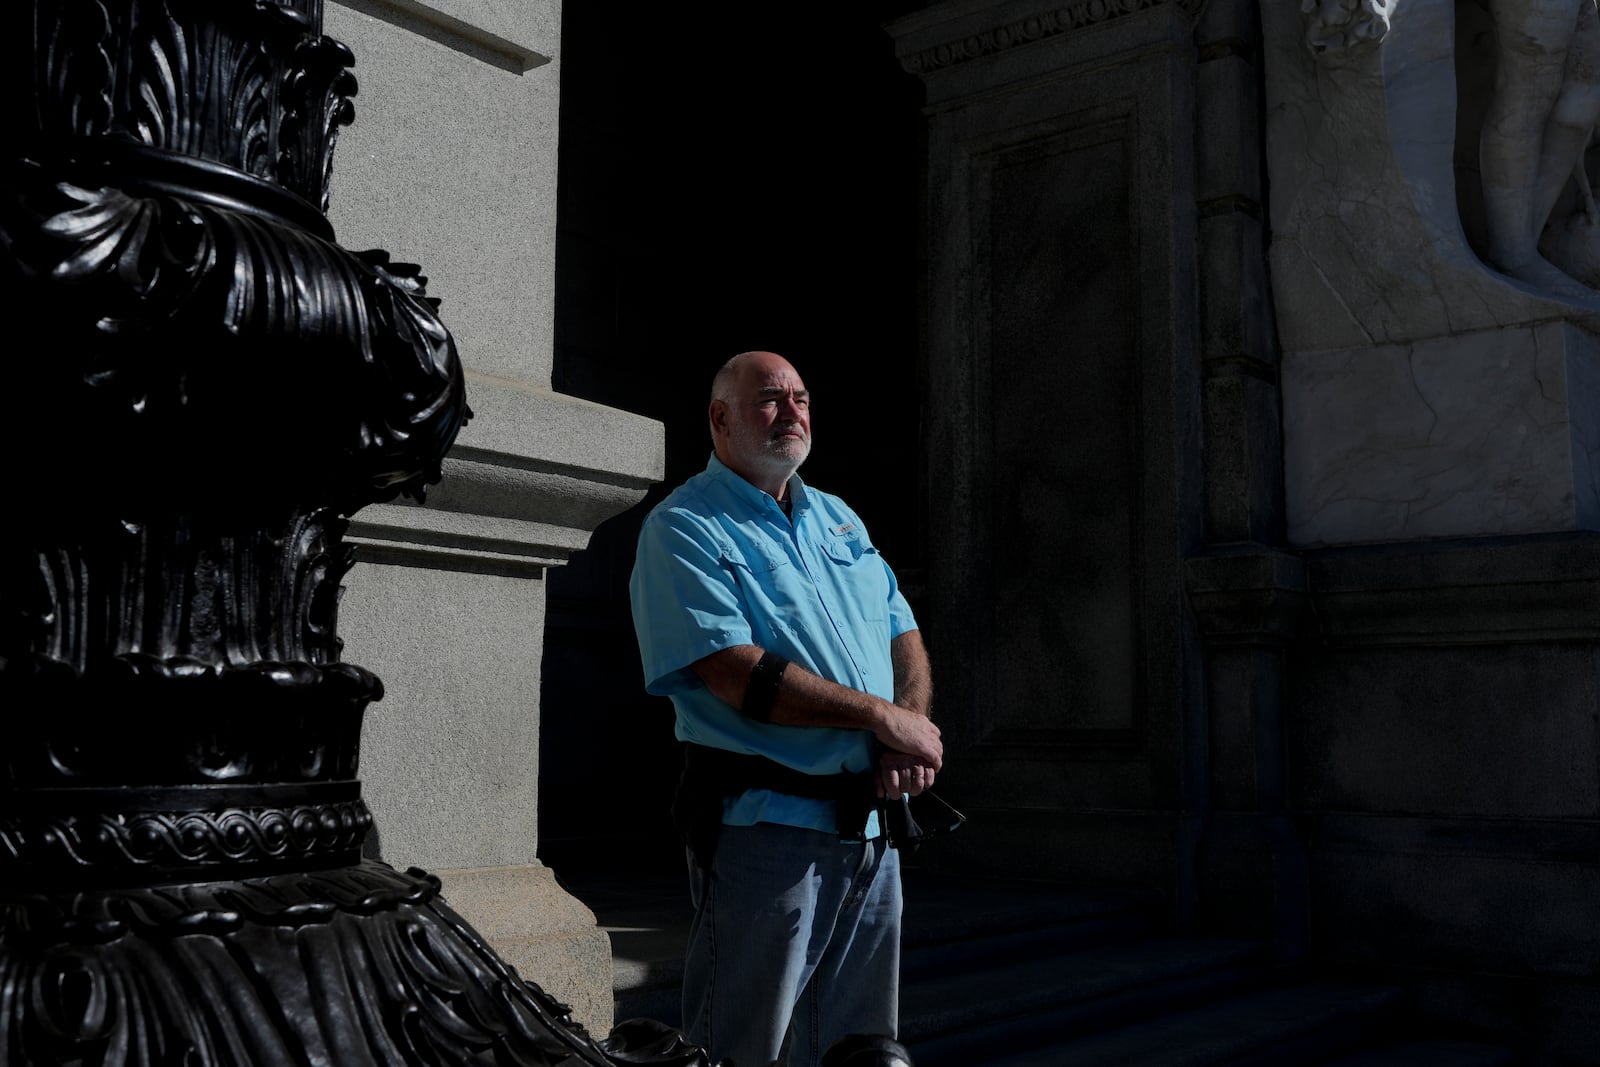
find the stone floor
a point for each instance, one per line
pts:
(1008, 974)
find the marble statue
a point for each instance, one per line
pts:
(1541, 117)
(1333, 26)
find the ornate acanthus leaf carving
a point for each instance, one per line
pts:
(109, 264)
(247, 83)
(178, 596)
(74, 68)
(110, 978)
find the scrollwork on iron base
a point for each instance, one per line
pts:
(357, 966)
(175, 839)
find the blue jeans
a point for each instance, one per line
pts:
(794, 932)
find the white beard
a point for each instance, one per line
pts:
(772, 454)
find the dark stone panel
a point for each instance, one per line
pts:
(1507, 731)
(1550, 1021)
(1509, 898)
(1057, 776)
(1110, 849)
(1064, 412)
(1064, 419)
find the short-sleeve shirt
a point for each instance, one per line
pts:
(720, 564)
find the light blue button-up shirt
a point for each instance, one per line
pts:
(719, 565)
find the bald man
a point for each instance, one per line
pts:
(802, 693)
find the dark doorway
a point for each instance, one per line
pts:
(727, 182)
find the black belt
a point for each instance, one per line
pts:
(712, 775)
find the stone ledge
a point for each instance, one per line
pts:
(1544, 588)
(543, 931)
(533, 475)
(1539, 840)
(518, 36)
(1477, 591)
(512, 418)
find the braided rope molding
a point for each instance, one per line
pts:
(1033, 28)
(227, 835)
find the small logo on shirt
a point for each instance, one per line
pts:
(846, 528)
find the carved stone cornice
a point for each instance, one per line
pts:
(1039, 26)
(1246, 595)
(1419, 593)
(1458, 592)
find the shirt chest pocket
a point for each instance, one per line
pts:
(756, 565)
(858, 572)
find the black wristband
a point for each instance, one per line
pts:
(761, 691)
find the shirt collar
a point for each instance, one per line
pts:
(756, 497)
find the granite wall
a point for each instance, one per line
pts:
(452, 163)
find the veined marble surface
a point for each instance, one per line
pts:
(1494, 432)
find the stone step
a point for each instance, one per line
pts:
(970, 1013)
(1306, 1023)
(1030, 975)
(950, 923)
(1429, 1054)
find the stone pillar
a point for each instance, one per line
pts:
(1246, 591)
(455, 160)
(1251, 867)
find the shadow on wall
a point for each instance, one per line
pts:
(766, 194)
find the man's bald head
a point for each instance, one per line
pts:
(725, 383)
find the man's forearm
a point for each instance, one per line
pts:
(913, 675)
(807, 699)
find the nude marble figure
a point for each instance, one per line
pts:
(1541, 116)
